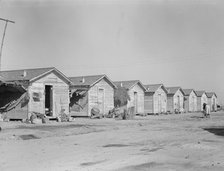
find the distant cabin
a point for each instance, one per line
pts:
(190, 100)
(175, 99)
(212, 101)
(155, 99)
(136, 91)
(88, 92)
(201, 99)
(47, 88)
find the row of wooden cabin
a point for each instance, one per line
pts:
(51, 92)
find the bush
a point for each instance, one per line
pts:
(121, 97)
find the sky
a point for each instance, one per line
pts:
(174, 42)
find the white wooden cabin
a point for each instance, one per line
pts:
(48, 91)
(136, 92)
(201, 99)
(155, 99)
(212, 101)
(175, 99)
(95, 91)
(190, 100)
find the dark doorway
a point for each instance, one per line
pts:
(48, 100)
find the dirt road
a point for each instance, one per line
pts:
(165, 142)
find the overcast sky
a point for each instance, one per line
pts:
(174, 42)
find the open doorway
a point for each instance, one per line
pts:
(178, 103)
(48, 100)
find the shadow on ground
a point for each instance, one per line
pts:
(28, 137)
(215, 130)
(116, 145)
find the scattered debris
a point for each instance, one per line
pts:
(37, 118)
(122, 112)
(63, 117)
(95, 113)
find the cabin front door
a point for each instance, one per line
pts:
(136, 102)
(49, 100)
(178, 103)
(213, 105)
(101, 100)
(159, 103)
(193, 104)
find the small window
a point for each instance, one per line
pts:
(36, 97)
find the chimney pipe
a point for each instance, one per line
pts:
(24, 73)
(83, 80)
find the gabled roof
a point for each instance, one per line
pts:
(210, 94)
(200, 93)
(129, 84)
(152, 88)
(187, 92)
(30, 74)
(90, 80)
(173, 90)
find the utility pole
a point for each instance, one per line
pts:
(6, 23)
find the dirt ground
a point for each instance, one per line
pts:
(176, 142)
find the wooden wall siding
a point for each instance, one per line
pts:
(156, 104)
(148, 103)
(140, 98)
(181, 98)
(60, 94)
(200, 101)
(186, 103)
(172, 102)
(191, 103)
(39, 105)
(213, 103)
(18, 113)
(94, 99)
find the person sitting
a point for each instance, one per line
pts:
(206, 110)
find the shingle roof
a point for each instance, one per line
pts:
(153, 87)
(210, 94)
(187, 92)
(89, 80)
(85, 80)
(128, 84)
(199, 93)
(29, 74)
(172, 90)
(15, 75)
